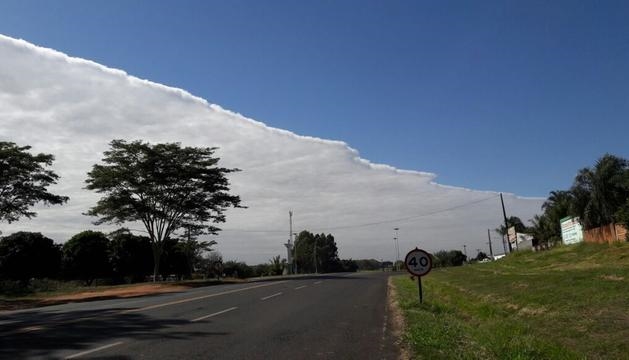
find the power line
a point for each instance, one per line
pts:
(375, 222)
(355, 226)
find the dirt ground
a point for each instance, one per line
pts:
(91, 295)
(130, 291)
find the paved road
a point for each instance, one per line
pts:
(320, 317)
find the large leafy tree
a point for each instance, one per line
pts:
(85, 256)
(316, 253)
(166, 187)
(24, 179)
(26, 255)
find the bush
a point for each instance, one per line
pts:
(238, 270)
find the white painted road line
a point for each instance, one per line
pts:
(150, 307)
(198, 298)
(271, 296)
(301, 287)
(214, 314)
(317, 282)
(94, 350)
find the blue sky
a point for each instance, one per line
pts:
(505, 96)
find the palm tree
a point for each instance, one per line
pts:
(599, 193)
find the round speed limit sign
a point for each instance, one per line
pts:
(418, 262)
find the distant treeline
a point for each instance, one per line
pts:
(122, 257)
(118, 257)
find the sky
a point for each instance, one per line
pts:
(465, 99)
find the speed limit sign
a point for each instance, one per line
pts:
(418, 262)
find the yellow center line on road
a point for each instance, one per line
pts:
(150, 307)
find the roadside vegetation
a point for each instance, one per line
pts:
(571, 302)
(599, 196)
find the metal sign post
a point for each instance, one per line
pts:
(418, 263)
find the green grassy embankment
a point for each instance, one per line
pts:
(567, 303)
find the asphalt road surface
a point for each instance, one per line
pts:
(340, 316)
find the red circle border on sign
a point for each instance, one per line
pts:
(427, 255)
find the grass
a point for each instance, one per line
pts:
(567, 303)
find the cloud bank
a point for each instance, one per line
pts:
(73, 108)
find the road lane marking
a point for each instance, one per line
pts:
(301, 287)
(27, 329)
(271, 296)
(36, 327)
(214, 314)
(317, 282)
(94, 350)
(150, 307)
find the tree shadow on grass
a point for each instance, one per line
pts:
(77, 331)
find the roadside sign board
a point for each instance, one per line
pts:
(571, 230)
(513, 236)
(418, 262)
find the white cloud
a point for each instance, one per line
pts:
(72, 108)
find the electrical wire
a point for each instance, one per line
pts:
(344, 227)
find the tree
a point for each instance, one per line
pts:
(512, 221)
(165, 186)
(601, 192)
(444, 258)
(26, 255)
(130, 255)
(213, 264)
(237, 269)
(276, 265)
(192, 248)
(23, 181)
(368, 264)
(85, 256)
(349, 265)
(316, 253)
(547, 226)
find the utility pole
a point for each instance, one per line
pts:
(397, 248)
(295, 252)
(315, 255)
(491, 251)
(290, 239)
(465, 252)
(504, 215)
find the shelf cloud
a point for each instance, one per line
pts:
(73, 108)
